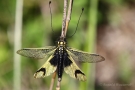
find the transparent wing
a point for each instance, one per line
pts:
(37, 53)
(84, 56)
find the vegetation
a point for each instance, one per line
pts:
(106, 27)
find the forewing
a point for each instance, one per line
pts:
(73, 70)
(48, 68)
(37, 53)
(84, 56)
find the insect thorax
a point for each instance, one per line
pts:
(61, 44)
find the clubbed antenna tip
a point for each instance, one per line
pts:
(82, 9)
(49, 2)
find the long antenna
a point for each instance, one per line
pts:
(51, 15)
(77, 23)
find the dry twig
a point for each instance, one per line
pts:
(52, 81)
(64, 19)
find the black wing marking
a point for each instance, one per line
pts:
(37, 53)
(73, 70)
(84, 56)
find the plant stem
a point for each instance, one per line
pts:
(52, 81)
(68, 15)
(90, 69)
(17, 44)
(64, 19)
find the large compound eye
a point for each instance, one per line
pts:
(58, 42)
(61, 43)
(64, 42)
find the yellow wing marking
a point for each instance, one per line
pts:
(46, 69)
(74, 71)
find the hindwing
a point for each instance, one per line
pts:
(49, 67)
(73, 70)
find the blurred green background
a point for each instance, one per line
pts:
(107, 27)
